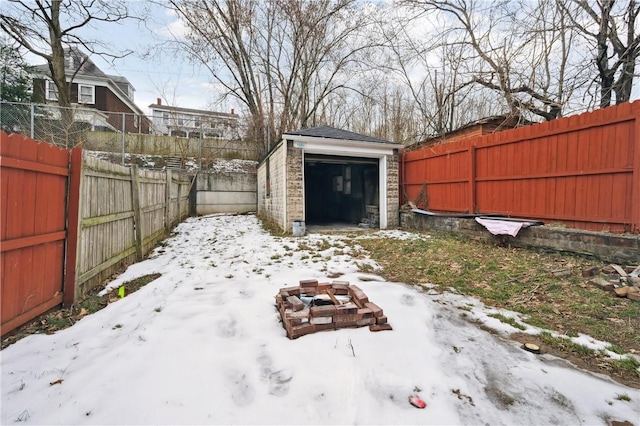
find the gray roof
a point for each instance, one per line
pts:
(329, 132)
(192, 111)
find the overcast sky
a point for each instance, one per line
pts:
(155, 70)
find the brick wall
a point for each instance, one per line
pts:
(623, 249)
(295, 185)
(393, 191)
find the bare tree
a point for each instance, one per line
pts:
(280, 58)
(517, 49)
(610, 27)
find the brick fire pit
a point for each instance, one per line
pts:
(314, 306)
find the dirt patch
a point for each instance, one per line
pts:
(60, 319)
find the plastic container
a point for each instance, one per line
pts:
(298, 228)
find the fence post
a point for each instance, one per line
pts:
(33, 121)
(635, 182)
(472, 179)
(137, 219)
(73, 227)
(167, 203)
(123, 127)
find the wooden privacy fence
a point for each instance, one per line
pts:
(33, 228)
(124, 213)
(582, 171)
(68, 221)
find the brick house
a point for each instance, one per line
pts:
(325, 175)
(100, 99)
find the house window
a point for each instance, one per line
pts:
(86, 94)
(196, 122)
(52, 91)
(180, 121)
(165, 117)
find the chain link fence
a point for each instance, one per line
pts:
(124, 136)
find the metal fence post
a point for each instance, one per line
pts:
(123, 127)
(33, 121)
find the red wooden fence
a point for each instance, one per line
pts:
(33, 227)
(582, 171)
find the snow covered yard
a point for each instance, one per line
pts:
(203, 344)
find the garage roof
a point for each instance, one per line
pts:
(329, 132)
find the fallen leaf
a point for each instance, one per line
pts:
(56, 382)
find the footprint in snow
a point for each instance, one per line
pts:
(242, 392)
(407, 300)
(227, 327)
(278, 379)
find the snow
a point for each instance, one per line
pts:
(202, 344)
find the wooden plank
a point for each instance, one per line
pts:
(32, 166)
(73, 227)
(100, 220)
(19, 243)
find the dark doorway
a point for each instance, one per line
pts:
(341, 190)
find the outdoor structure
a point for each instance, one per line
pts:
(313, 306)
(484, 126)
(193, 123)
(325, 175)
(96, 96)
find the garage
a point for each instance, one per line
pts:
(325, 175)
(341, 190)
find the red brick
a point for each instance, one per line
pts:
(347, 309)
(366, 321)
(345, 283)
(301, 330)
(309, 291)
(380, 327)
(381, 319)
(359, 296)
(309, 283)
(346, 318)
(323, 327)
(340, 291)
(590, 272)
(293, 291)
(294, 321)
(366, 313)
(322, 288)
(377, 310)
(323, 311)
(295, 303)
(346, 324)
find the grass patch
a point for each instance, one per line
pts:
(565, 345)
(623, 397)
(516, 279)
(628, 364)
(512, 322)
